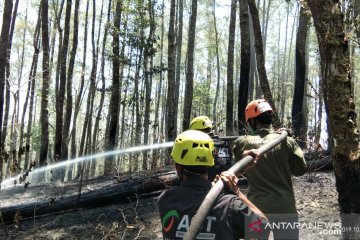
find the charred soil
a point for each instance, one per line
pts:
(316, 199)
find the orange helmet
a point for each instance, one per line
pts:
(256, 107)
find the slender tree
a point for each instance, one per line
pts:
(61, 94)
(22, 123)
(69, 83)
(189, 85)
(4, 40)
(148, 60)
(102, 70)
(178, 60)
(7, 92)
(159, 86)
(252, 68)
(230, 72)
(356, 7)
(245, 63)
(126, 86)
(79, 95)
(170, 132)
(31, 88)
(115, 95)
(266, 25)
(44, 115)
(283, 69)
(318, 122)
(138, 91)
(300, 77)
(91, 165)
(60, 39)
(264, 83)
(122, 80)
(217, 68)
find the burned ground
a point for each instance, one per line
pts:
(316, 199)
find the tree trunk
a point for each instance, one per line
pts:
(335, 69)
(44, 115)
(69, 100)
(122, 143)
(300, 78)
(156, 127)
(59, 173)
(319, 112)
(245, 64)
(115, 94)
(121, 88)
(230, 72)
(252, 66)
(264, 83)
(217, 68)
(79, 97)
(58, 64)
(283, 69)
(290, 71)
(208, 78)
(54, 32)
(189, 85)
(31, 89)
(90, 165)
(136, 103)
(4, 44)
(7, 97)
(62, 85)
(6, 110)
(94, 145)
(125, 126)
(102, 69)
(356, 8)
(137, 90)
(149, 53)
(22, 123)
(178, 61)
(170, 131)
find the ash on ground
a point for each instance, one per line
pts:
(316, 199)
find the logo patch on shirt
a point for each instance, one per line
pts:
(169, 220)
(176, 226)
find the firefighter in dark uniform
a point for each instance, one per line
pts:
(229, 219)
(270, 183)
(222, 155)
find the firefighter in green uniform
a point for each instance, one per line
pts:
(270, 180)
(222, 154)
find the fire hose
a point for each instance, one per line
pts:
(211, 197)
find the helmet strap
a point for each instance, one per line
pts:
(180, 171)
(252, 125)
(184, 173)
(192, 173)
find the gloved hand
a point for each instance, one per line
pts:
(289, 131)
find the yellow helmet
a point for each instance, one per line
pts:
(193, 148)
(200, 123)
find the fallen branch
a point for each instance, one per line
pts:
(123, 192)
